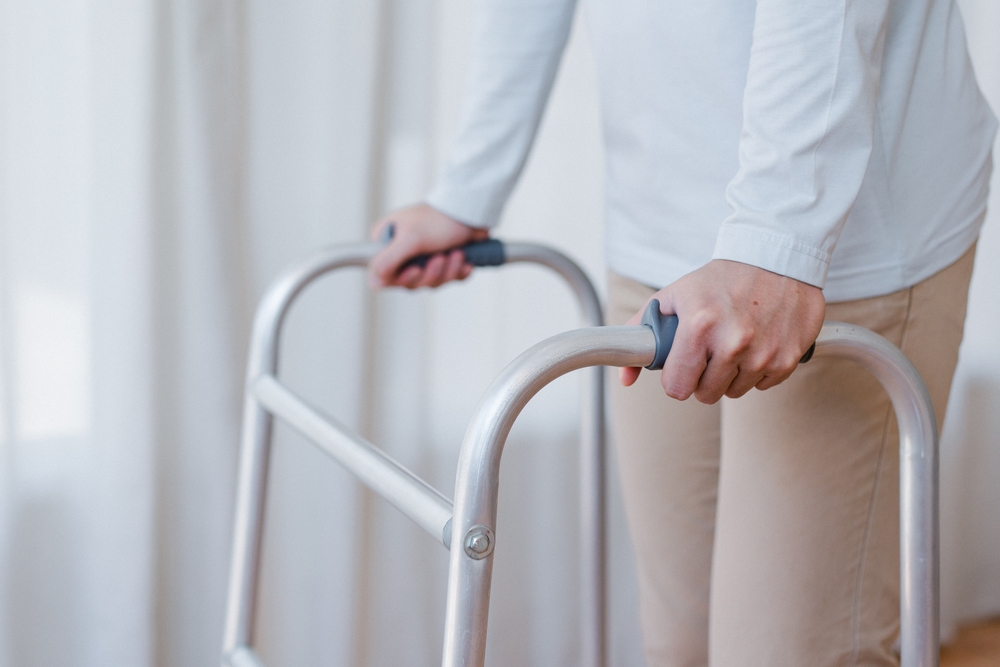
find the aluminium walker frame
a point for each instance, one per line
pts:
(467, 527)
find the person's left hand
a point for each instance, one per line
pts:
(739, 327)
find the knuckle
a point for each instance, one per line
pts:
(760, 363)
(727, 353)
(745, 337)
(738, 342)
(735, 347)
(701, 323)
(791, 361)
(783, 363)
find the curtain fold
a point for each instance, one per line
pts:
(77, 445)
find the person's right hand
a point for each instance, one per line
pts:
(422, 230)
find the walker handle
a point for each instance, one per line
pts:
(665, 327)
(478, 253)
(490, 252)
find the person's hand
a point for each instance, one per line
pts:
(421, 230)
(739, 327)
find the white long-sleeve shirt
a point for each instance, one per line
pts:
(843, 143)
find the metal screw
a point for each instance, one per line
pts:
(479, 542)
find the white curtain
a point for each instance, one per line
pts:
(160, 161)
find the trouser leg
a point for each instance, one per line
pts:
(806, 568)
(668, 458)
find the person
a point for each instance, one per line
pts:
(769, 164)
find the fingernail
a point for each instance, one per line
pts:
(387, 233)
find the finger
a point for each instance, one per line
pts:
(408, 277)
(680, 378)
(773, 379)
(465, 271)
(769, 381)
(433, 273)
(716, 379)
(730, 360)
(628, 375)
(742, 383)
(687, 360)
(779, 365)
(453, 267)
(385, 265)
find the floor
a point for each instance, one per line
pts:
(976, 646)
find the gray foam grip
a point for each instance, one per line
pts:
(485, 253)
(478, 253)
(490, 252)
(664, 328)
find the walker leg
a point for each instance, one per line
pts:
(593, 540)
(255, 442)
(469, 580)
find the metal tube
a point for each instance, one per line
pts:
(243, 657)
(918, 470)
(257, 422)
(411, 495)
(593, 474)
(477, 479)
(255, 438)
(479, 466)
(593, 522)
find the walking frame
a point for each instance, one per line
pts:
(467, 526)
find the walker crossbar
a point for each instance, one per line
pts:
(267, 398)
(479, 462)
(422, 503)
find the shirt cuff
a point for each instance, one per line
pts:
(466, 205)
(774, 252)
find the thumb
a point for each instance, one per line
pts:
(628, 375)
(385, 265)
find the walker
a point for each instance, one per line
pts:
(467, 527)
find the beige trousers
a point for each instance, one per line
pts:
(766, 528)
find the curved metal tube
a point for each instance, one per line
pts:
(593, 475)
(918, 483)
(257, 421)
(479, 465)
(255, 432)
(477, 479)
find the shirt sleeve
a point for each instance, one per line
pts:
(517, 45)
(809, 113)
